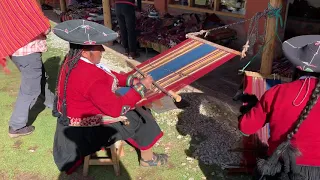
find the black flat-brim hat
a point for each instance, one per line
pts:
(84, 32)
(304, 52)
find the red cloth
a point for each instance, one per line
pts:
(89, 92)
(131, 2)
(20, 22)
(276, 107)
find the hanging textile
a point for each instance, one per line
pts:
(255, 83)
(20, 22)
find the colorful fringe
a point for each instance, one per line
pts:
(20, 22)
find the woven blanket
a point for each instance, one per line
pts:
(182, 65)
(20, 22)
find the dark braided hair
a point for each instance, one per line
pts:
(70, 61)
(285, 150)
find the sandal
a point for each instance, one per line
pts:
(157, 160)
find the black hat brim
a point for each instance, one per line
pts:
(84, 32)
(303, 52)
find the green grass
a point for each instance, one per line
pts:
(31, 157)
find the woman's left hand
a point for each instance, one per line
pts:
(135, 81)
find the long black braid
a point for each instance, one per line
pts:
(70, 61)
(285, 150)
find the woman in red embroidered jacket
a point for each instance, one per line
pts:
(87, 102)
(292, 111)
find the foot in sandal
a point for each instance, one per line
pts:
(157, 160)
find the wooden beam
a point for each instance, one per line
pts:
(107, 13)
(107, 16)
(63, 5)
(190, 36)
(216, 5)
(190, 3)
(269, 51)
(147, 2)
(195, 9)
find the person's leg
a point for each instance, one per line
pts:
(142, 133)
(30, 67)
(146, 133)
(46, 94)
(122, 24)
(147, 154)
(130, 17)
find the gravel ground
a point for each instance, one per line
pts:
(210, 127)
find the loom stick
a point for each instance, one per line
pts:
(213, 44)
(172, 94)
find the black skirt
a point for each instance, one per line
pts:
(72, 144)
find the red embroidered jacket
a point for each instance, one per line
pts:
(276, 107)
(89, 93)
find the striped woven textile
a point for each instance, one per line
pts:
(181, 65)
(20, 22)
(255, 83)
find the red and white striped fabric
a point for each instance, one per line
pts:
(21, 21)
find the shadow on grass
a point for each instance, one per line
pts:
(72, 144)
(52, 66)
(211, 135)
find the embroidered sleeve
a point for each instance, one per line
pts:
(131, 80)
(256, 118)
(140, 89)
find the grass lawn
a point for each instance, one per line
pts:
(31, 157)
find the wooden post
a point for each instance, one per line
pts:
(268, 53)
(216, 5)
(63, 5)
(107, 16)
(107, 13)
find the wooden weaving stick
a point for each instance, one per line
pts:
(171, 94)
(190, 36)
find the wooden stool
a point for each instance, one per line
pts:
(116, 152)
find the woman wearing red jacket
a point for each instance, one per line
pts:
(89, 106)
(292, 111)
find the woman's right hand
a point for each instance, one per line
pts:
(147, 81)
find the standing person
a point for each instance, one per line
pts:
(28, 60)
(292, 111)
(126, 14)
(23, 29)
(87, 106)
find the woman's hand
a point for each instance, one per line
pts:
(135, 81)
(249, 100)
(147, 82)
